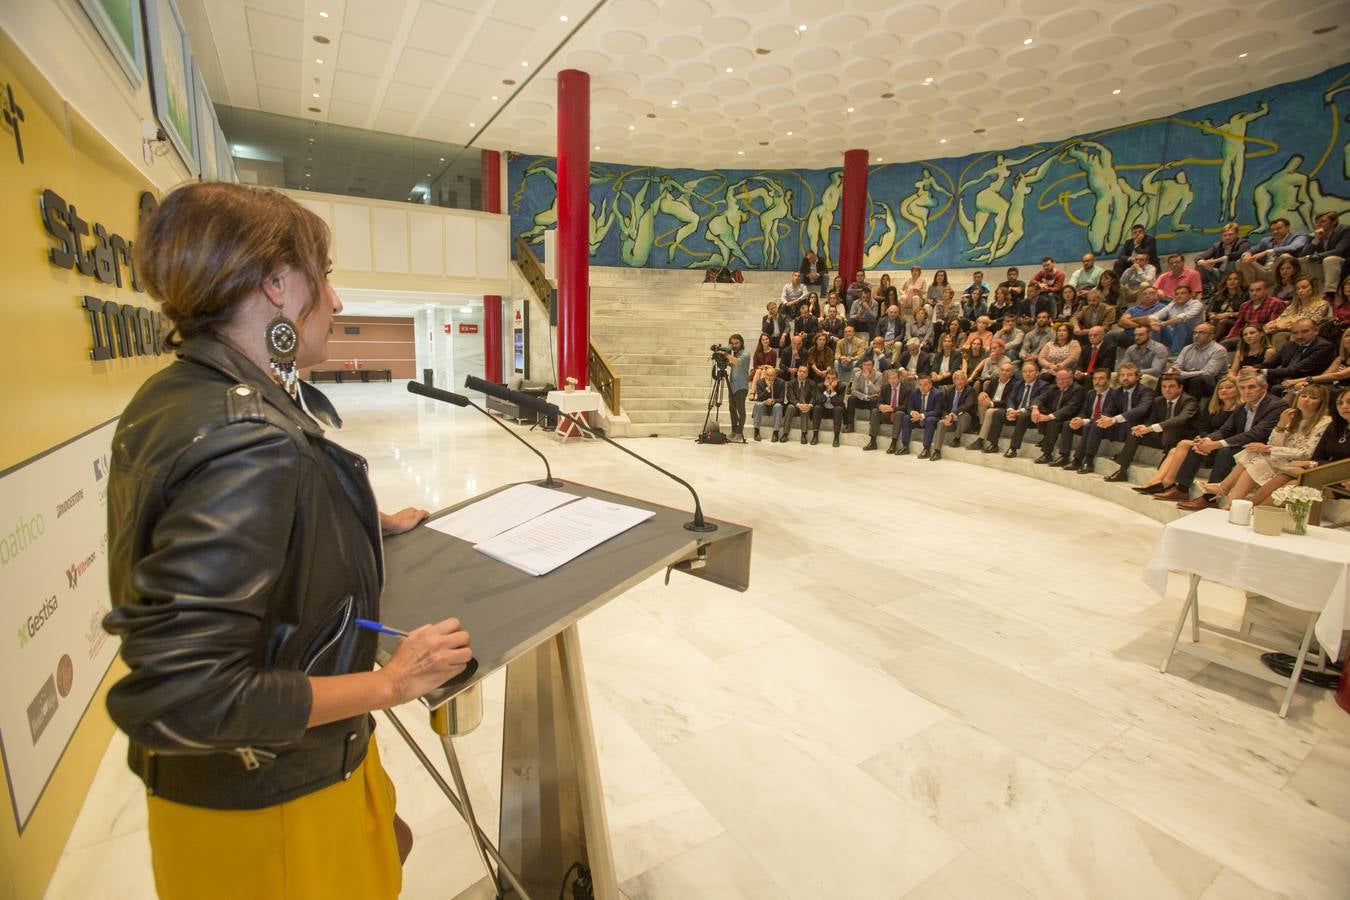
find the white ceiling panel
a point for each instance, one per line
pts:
(354, 88)
(421, 67)
(497, 41)
(454, 107)
(439, 28)
(375, 18)
(364, 55)
(275, 35)
(276, 71)
(476, 78)
(408, 98)
(352, 115)
(278, 100)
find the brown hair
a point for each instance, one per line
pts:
(210, 245)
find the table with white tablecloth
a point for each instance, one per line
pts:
(572, 403)
(1306, 572)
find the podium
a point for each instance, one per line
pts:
(552, 804)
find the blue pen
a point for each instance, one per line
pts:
(381, 629)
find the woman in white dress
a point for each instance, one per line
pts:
(1296, 435)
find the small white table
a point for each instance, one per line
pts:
(1307, 572)
(573, 402)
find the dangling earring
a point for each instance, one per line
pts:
(282, 340)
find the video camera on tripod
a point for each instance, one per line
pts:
(721, 359)
(721, 376)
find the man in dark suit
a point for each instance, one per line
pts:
(890, 408)
(1169, 420)
(915, 361)
(802, 398)
(1250, 423)
(775, 325)
(1124, 407)
(958, 413)
(814, 272)
(1097, 355)
(1302, 355)
(1140, 242)
(879, 355)
(1018, 410)
(923, 409)
(1052, 414)
(792, 356)
(992, 401)
(770, 397)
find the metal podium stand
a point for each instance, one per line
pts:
(552, 804)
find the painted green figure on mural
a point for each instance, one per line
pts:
(1345, 151)
(875, 254)
(778, 206)
(1015, 227)
(545, 218)
(637, 230)
(1284, 195)
(675, 202)
(1156, 200)
(821, 218)
(600, 224)
(918, 206)
(724, 232)
(1111, 203)
(989, 202)
(1233, 148)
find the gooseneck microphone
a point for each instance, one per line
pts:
(501, 392)
(417, 387)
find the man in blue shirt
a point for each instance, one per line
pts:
(1142, 313)
(1261, 260)
(739, 383)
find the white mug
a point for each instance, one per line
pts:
(1240, 512)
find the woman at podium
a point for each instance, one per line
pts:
(244, 545)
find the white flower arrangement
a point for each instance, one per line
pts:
(1296, 493)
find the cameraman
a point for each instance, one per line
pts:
(739, 384)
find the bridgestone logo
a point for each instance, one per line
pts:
(66, 505)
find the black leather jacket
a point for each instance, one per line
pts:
(242, 545)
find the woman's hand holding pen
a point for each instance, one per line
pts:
(427, 658)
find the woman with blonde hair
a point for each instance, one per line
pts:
(248, 543)
(1295, 436)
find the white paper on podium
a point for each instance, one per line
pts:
(546, 542)
(500, 512)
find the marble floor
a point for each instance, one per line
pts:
(942, 683)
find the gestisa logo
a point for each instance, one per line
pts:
(77, 569)
(100, 468)
(33, 624)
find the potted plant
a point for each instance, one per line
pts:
(1298, 500)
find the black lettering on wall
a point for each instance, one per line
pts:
(149, 328)
(131, 327)
(54, 217)
(121, 251)
(105, 260)
(78, 228)
(98, 334)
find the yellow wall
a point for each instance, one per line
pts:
(53, 391)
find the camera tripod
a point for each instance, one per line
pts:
(711, 433)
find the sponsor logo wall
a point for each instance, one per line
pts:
(53, 596)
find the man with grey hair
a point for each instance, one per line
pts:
(1303, 355)
(1201, 363)
(1250, 423)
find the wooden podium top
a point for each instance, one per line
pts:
(431, 576)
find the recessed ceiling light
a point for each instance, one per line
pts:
(562, 18)
(942, 141)
(762, 51)
(888, 95)
(311, 140)
(315, 96)
(1325, 29)
(879, 159)
(789, 134)
(632, 127)
(315, 109)
(729, 69)
(979, 131)
(1242, 55)
(801, 27)
(928, 80)
(651, 115)
(674, 103)
(508, 81)
(471, 125)
(597, 146)
(442, 159)
(850, 109)
(319, 61)
(523, 63)
(320, 39)
(322, 14)
(764, 143)
(307, 175)
(1027, 42)
(1116, 91)
(494, 96)
(740, 152)
(1021, 118)
(428, 174)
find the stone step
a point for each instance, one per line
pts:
(672, 357)
(693, 373)
(637, 405)
(658, 391)
(640, 417)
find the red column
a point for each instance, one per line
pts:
(492, 303)
(574, 193)
(853, 220)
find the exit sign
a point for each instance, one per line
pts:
(446, 329)
(468, 328)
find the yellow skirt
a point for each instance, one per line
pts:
(336, 842)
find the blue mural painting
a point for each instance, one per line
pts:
(1278, 152)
